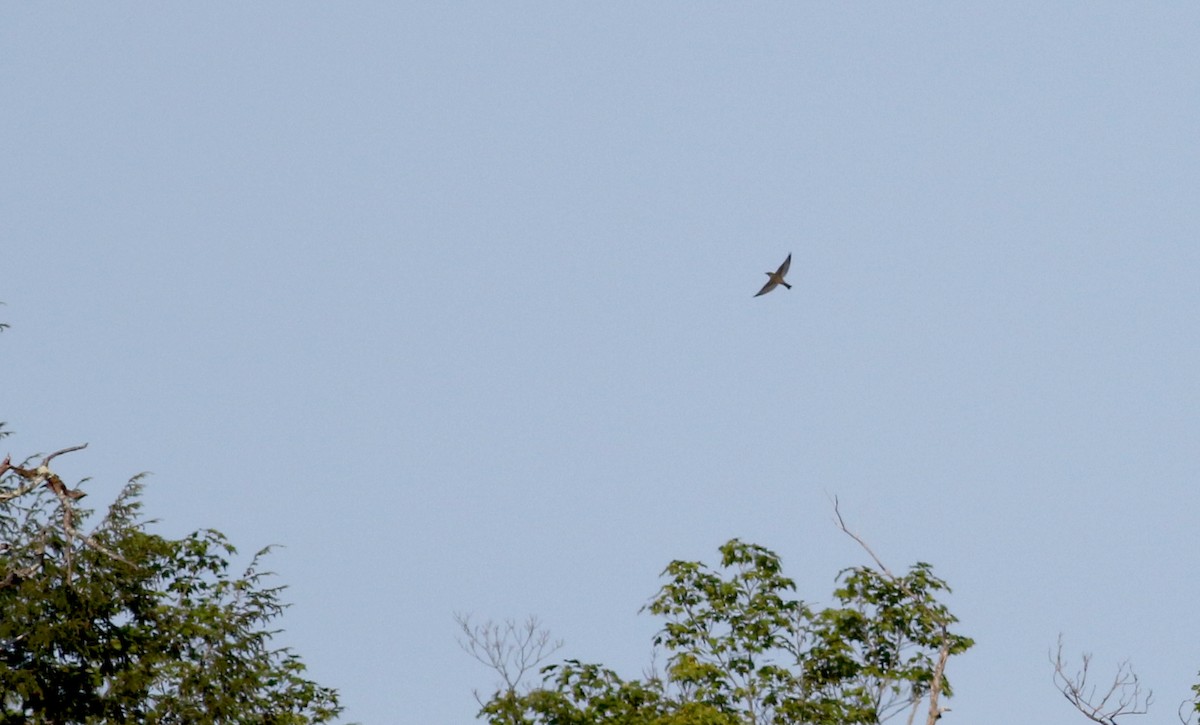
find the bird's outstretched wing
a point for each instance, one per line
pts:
(770, 285)
(783, 268)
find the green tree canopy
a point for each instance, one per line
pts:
(119, 625)
(740, 648)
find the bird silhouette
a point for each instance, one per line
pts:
(776, 278)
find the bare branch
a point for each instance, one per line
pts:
(70, 449)
(42, 475)
(509, 648)
(1123, 697)
(856, 537)
(1187, 711)
(912, 714)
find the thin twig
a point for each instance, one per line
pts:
(856, 537)
(52, 456)
(1126, 688)
(511, 650)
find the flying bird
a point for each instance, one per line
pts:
(776, 278)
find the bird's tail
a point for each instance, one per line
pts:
(785, 284)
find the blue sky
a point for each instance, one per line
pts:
(454, 302)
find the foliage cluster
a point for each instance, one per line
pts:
(122, 625)
(741, 649)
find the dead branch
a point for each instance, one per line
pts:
(53, 481)
(511, 649)
(1123, 697)
(32, 480)
(66, 498)
(1187, 712)
(56, 454)
(42, 474)
(863, 544)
